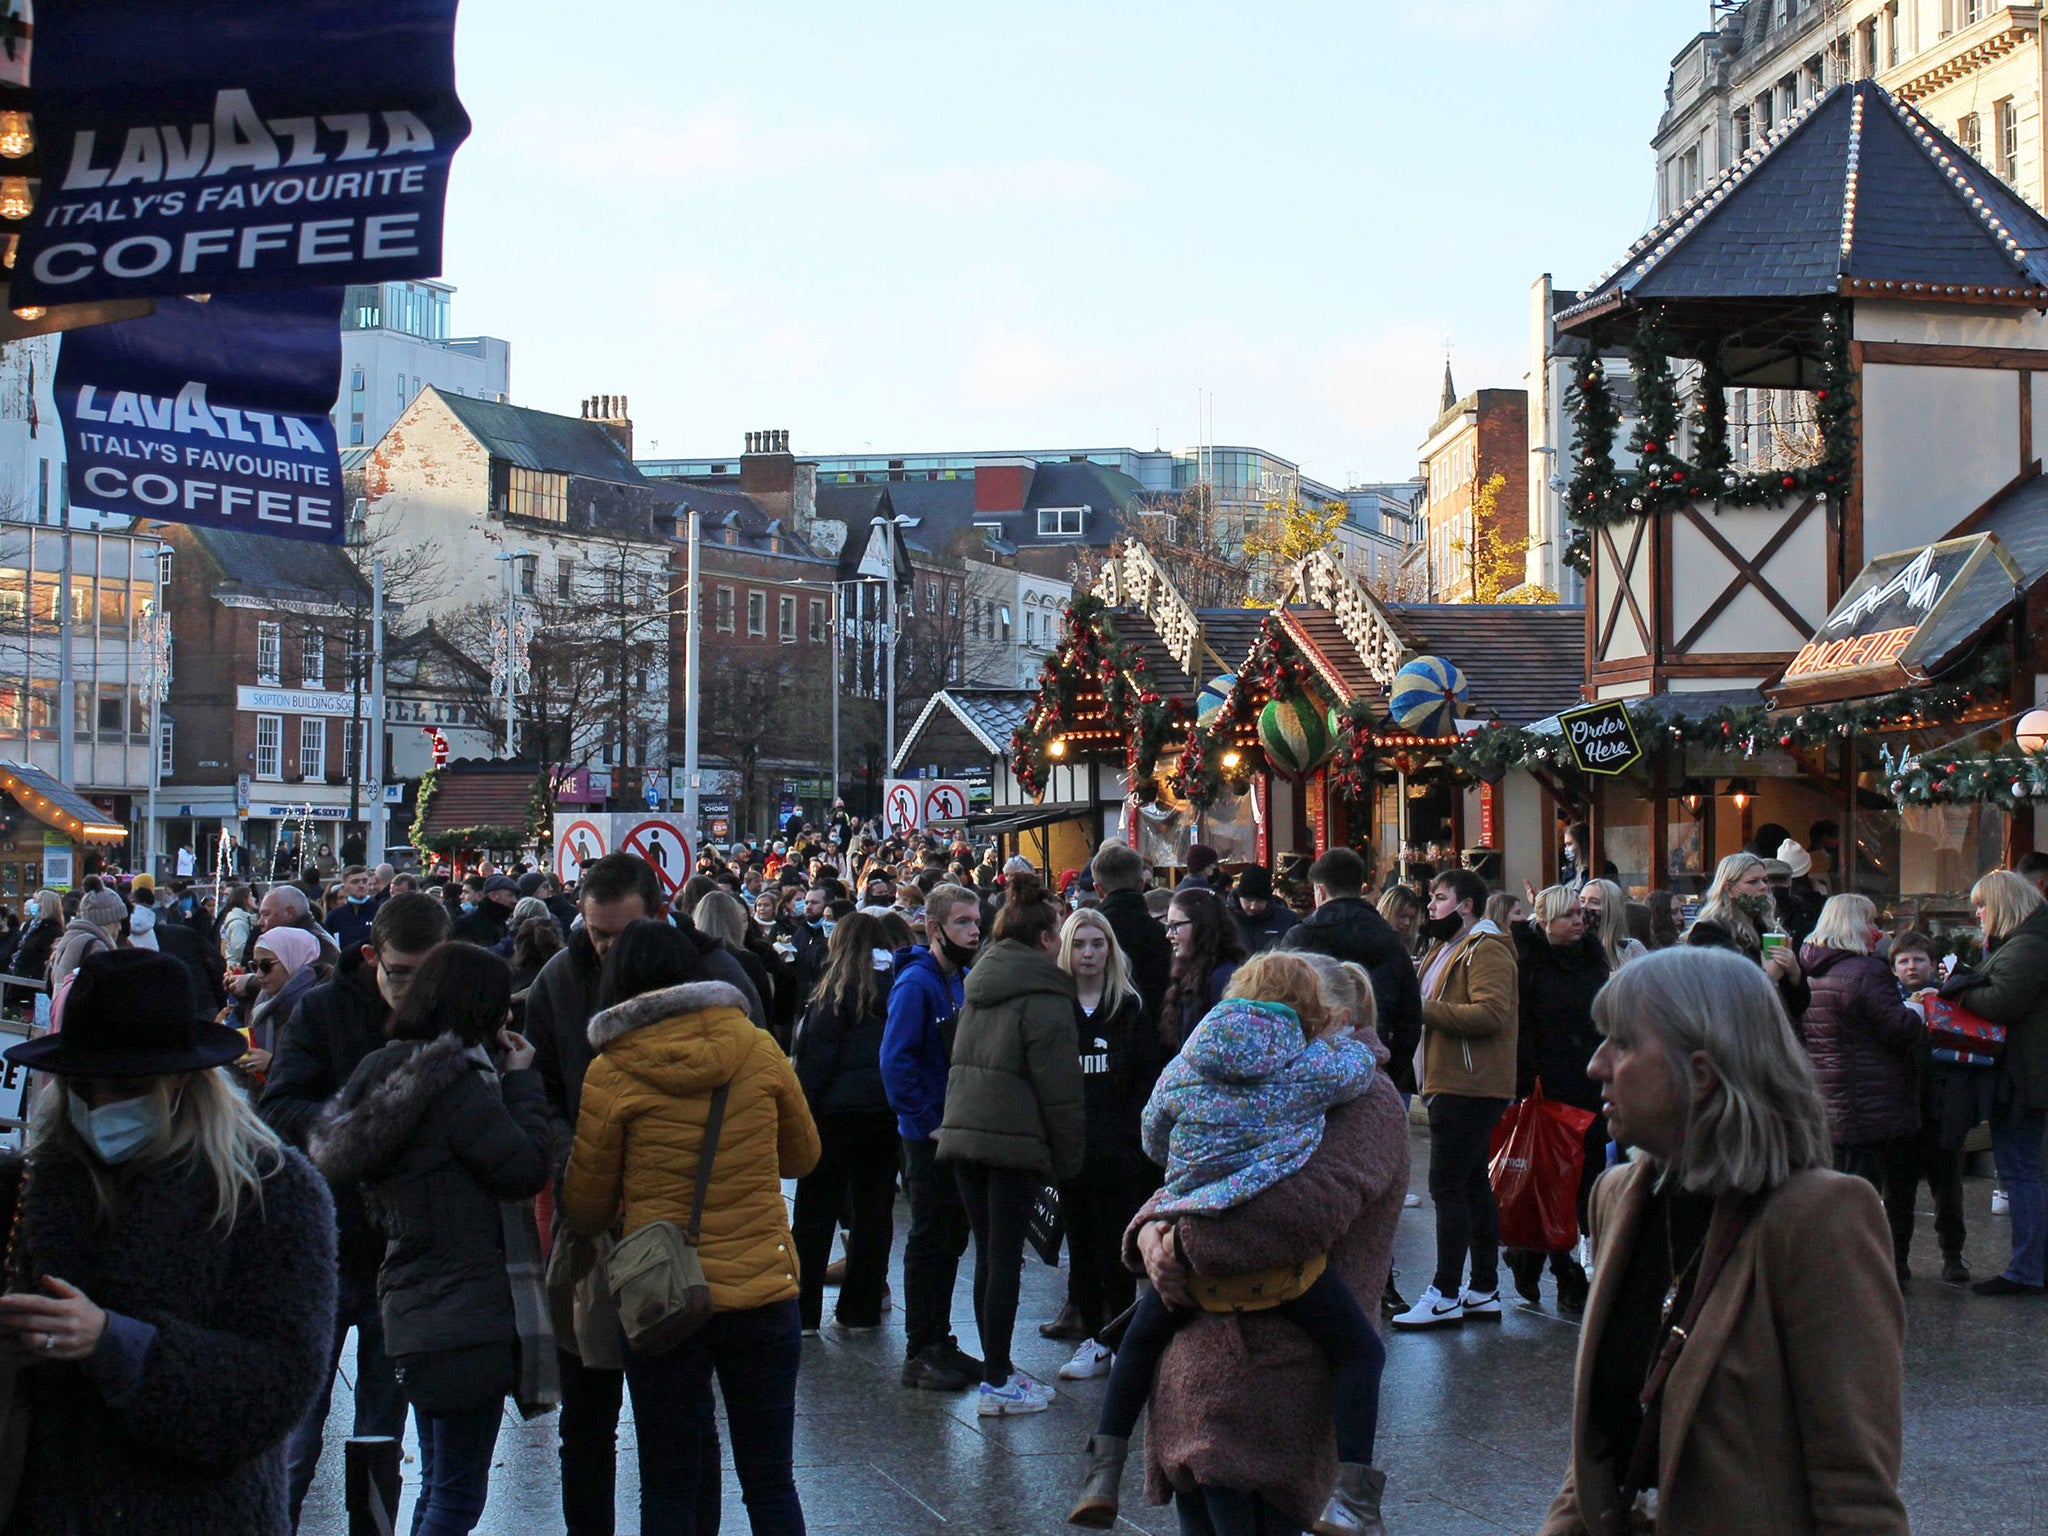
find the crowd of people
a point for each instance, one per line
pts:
(552, 1132)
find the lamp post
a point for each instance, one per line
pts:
(693, 671)
(838, 673)
(509, 637)
(890, 526)
(156, 645)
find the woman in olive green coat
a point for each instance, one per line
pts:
(1014, 1118)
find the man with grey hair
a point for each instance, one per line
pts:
(286, 906)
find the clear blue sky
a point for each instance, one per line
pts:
(930, 226)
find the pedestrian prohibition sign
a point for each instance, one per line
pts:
(944, 802)
(579, 844)
(900, 811)
(663, 845)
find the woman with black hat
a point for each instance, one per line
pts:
(170, 1272)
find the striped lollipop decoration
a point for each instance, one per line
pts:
(1296, 735)
(1427, 695)
(1215, 693)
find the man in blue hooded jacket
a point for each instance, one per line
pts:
(917, 1050)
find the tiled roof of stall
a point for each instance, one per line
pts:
(480, 797)
(1856, 193)
(1523, 661)
(1334, 656)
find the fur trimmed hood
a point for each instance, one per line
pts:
(364, 1131)
(681, 1040)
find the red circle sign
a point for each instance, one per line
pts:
(663, 846)
(901, 811)
(944, 802)
(581, 842)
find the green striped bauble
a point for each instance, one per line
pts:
(1296, 735)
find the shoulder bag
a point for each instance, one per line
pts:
(655, 1277)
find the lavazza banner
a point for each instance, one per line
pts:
(211, 412)
(217, 146)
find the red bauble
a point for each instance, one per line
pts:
(1820, 394)
(1651, 448)
(1790, 482)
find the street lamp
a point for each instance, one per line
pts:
(838, 629)
(510, 637)
(890, 524)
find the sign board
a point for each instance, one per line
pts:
(1602, 738)
(1904, 614)
(14, 1092)
(299, 701)
(678, 783)
(578, 840)
(944, 800)
(56, 862)
(664, 842)
(242, 786)
(714, 814)
(902, 806)
(248, 146)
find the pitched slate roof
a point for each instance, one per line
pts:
(990, 715)
(50, 800)
(262, 565)
(1855, 194)
(1523, 661)
(566, 445)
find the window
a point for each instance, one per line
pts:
(1741, 129)
(785, 619)
(1867, 56)
(1788, 97)
(1763, 116)
(313, 658)
(757, 613)
(931, 598)
(1059, 522)
(1891, 35)
(1004, 636)
(724, 606)
(1030, 627)
(817, 619)
(166, 756)
(1970, 134)
(355, 431)
(533, 493)
(313, 748)
(2006, 117)
(270, 654)
(565, 579)
(952, 601)
(270, 746)
(349, 748)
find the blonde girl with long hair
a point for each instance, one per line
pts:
(1603, 909)
(1736, 914)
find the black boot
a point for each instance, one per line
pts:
(1527, 1268)
(1098, 1505)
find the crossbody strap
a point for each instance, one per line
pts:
(1642, 1465)
(713, 1120)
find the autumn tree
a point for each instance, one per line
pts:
(1293, 531)
(1497, 562)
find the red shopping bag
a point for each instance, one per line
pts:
(1539, 1148)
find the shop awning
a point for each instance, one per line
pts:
(1009, 823)
(61, 807)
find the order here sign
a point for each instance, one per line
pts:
(234, 145)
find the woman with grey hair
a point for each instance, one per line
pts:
(1744, 1342)
(1737, 914)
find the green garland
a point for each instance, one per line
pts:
(2006, 777)
(1355, 769)
(1091, 651)
(1493, 750)
(1276, 668)
(423, 803)
(1599, 495)
(484, 835)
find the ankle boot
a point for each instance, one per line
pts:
(1098, 1504)
(1354, 1507)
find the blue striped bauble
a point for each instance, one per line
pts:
(1214, 695)
(1427, 695)
(1297, 737)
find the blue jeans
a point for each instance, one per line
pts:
(2016, 1148)
(1228, 1512)
(455, 1469)
(755, 1354)
(380, 1401)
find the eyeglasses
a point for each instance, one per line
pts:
(1179, 923)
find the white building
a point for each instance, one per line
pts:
(32, 485)
(1013, 623)
(395, 343)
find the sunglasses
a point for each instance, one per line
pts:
(265, 967)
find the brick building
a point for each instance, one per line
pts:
(1472, 440)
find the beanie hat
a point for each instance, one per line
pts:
(1796, 859)
(1255, 882)
(104, 908)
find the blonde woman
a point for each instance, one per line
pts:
(1861, 1035)
(1728, 1224)
(172, 1272)
(2011, 988)
(1120, 1059)
(1737, 914)
(1603, 909)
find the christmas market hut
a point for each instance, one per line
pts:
(46, 831)
(962, 736)
(1810, 554)
(477, 808)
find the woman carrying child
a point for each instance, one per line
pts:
(1238, 1112)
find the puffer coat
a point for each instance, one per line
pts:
(1556, 985)
(1014, 1097)
(2011, 988)
(436, 1148)
(640, 1130)
(1861, 1035)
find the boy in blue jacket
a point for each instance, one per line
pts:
(917, 1050)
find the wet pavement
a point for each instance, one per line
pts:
(1474, 1422)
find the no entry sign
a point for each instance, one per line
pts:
(944, 800)
(661, 843)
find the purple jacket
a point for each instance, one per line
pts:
(1861, 1034)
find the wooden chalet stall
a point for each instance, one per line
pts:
(965, 734)
(1855, 311)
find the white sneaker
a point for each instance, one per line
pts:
(1432, 1309)
(1020, 1394)
(2001, 1203)
(1090, 1360)
(1476, 1305)
(1410, 1201)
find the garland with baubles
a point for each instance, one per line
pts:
(1598, 494)
(1275, 669)
(2006, 778)
(1491, 751)
(1355, 769)
(1091, 653)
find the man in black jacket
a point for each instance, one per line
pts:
(1348, 927)
(1120, 876)
(333, 1028)
(177, 935)
(614, 892)
(1262, 922)
(486, 925)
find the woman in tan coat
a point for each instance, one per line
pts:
(667, 1039)
(1742, 1289)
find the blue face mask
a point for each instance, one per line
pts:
(357, 901)
(115, 1132)
(468, 907)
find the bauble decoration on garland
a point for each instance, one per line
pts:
(1296, 735)
(1426, 696)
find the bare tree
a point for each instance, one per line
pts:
(1199, 543)
(763, 711)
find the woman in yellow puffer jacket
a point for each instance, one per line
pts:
(668, 1036)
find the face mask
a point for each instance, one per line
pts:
(1591, 922)
(468, 907)
(357, 901)
(825, 926)
(962, 955)
(115, 1132)
(1444, 928)
(1755, 908)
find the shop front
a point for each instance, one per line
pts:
(49, 834)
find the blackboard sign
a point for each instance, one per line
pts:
(1602, 738)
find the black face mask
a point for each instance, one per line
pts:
(961, 955)
(1442, 928)
(1591, 922)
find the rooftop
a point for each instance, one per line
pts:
(541, 440)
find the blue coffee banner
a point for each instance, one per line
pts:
(210, 411)
(218, 146)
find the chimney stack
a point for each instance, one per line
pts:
(612, 413)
